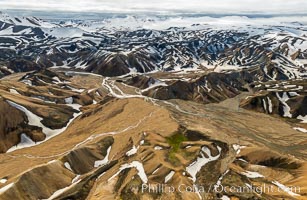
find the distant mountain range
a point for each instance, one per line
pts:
(116, 46)
(96, 107)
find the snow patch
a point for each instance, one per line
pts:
(105, 160)
(4, 180)
(250, 174)
(285, 188)
(5, 188)
(60, 191)
(300, 129)
(201, 161)
(303, 118)
(138, 166)
(169, 176)
(75, 89)
(25, 141)
(13, 91)
(67, 165)
(69, 100)
(132, 151)
(286, 107)
(27, 82)
(158, 148)
(237, 148)
(270, 105)
(224, 197)
(57, 79)
(74, 180)
(155, 170)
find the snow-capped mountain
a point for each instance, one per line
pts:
(7, 20)
(279, 51)
(98, 108)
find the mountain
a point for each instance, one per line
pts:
(276, 51)
(152, 107)
(7, 20)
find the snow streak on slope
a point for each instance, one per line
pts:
(99, 163)
(201, 161)
(134, 164)
(35, 120)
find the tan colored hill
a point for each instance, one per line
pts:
(120, 140)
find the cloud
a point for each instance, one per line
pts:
(201, 6)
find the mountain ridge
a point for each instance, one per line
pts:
(98, 109)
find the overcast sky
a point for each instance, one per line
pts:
(202, 6)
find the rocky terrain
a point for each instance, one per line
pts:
(30, 44)
(89, 111)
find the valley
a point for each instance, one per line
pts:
(99, 112)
